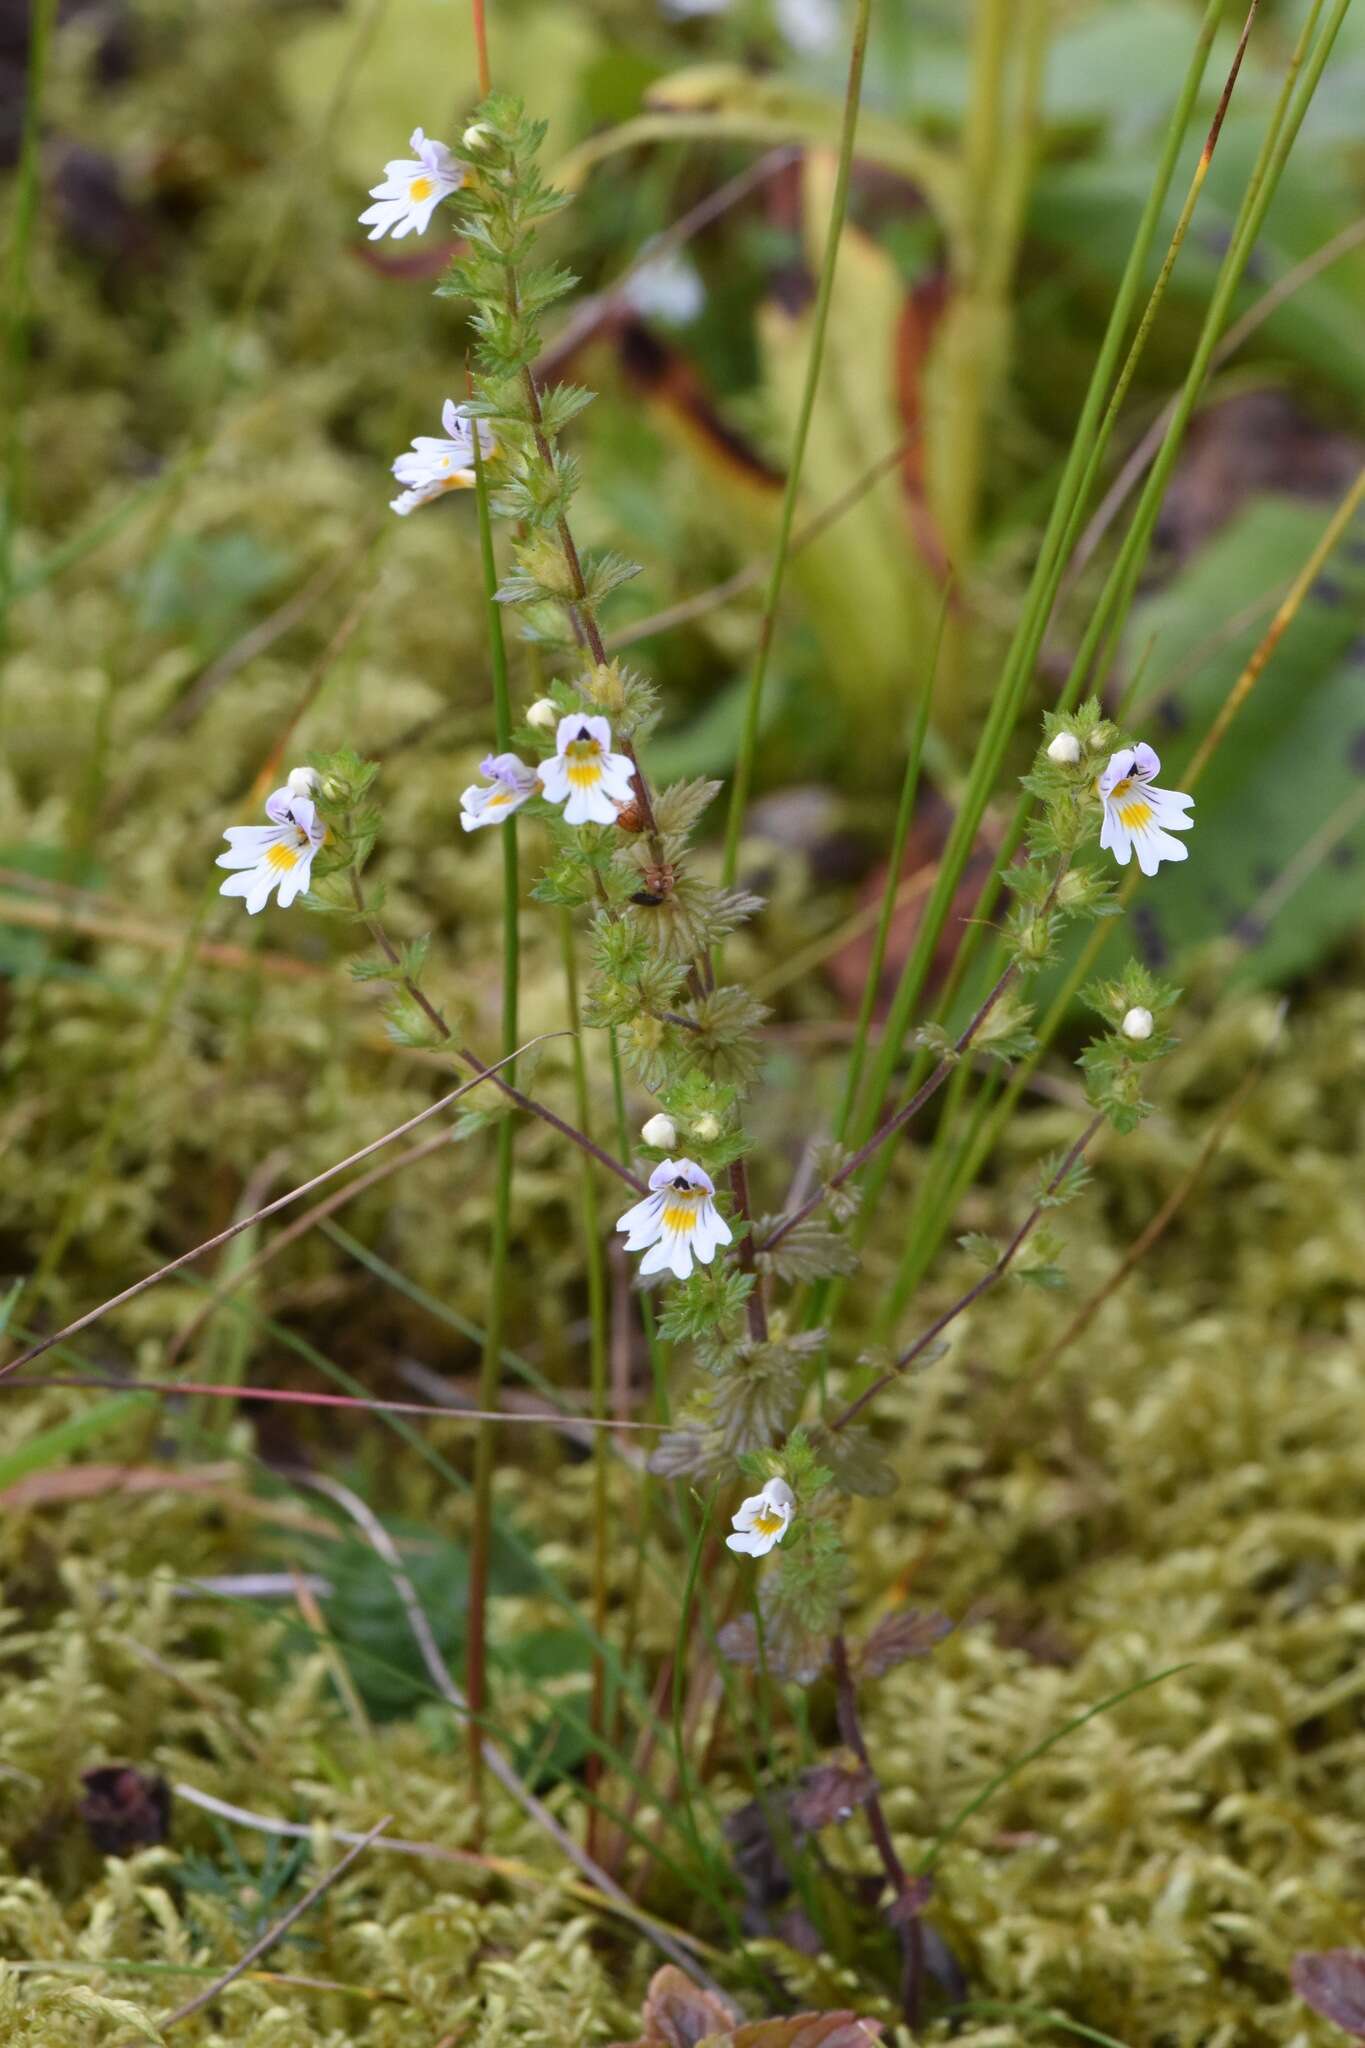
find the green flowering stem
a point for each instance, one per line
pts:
(597, 1368)
(908, 1929)
(490, 1365)
(987, 1280)
(904, 813)
(744, 764)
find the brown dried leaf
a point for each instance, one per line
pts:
(910, 1632)
(1332, 1981)
(911, 1902)
(679, 2014)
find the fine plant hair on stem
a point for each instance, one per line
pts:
(223, 1237)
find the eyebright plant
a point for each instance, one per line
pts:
(622, 859)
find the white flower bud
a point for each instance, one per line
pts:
(707, 1128)
(1138, 1023)
(661, 1132)
(474, 138)
(302, 781)
(543, 714)
(1065, 750)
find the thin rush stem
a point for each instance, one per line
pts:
(975, 1153)
(42, 20)
(899, 1119)
(490, 1366)
(1041, 593)
(1065, 524)
(744, 764)
(223, 1237)
(987, 1280)
(891, 896)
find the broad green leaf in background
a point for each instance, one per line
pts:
(418, 71)
(869, 593)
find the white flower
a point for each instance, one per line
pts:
(1138, 1023)
(433, 466)
(277, 855)
(666, 288)
(543, 714)
(661, 1132)
(1138, 816)
(474, 137)
(1065, 750)
(412, 189)
(679, 1218)
(586, 772)
(810, 26)
(707, 1128)
(302, 781)
(510, 782)
(763, 1519)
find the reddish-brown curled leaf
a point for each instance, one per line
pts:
(910, 1632)
(829, 1793)
(679, 2014)
(809, 2030)
(1332, 1981)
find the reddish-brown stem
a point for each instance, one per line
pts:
(898, 1120)
(937, 1327)
(481, 48)
(901, 1117)
(755, 1308)
(907, 1927)
(477, 1066)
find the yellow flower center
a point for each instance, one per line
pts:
(1135, 815)
(768, 1521)
(420, 189)
(679, 1215)
(583, 759)
(282, 856)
